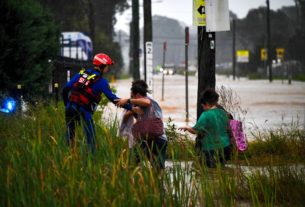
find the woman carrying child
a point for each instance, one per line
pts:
(145, 108)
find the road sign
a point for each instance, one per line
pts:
(199, 13)
(217, 15)
(280, 52)
(263, 54)
(242, 56)
(149, 64)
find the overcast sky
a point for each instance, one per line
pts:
(182, 10)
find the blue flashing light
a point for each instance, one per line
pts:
(8, 106)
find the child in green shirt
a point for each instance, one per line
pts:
(212, 125)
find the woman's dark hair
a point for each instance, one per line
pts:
(139, 86)
(209, 96)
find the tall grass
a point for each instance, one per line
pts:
(39, 169)
(278, 146)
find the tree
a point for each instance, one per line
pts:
(28, 40)
(135, 40)
(104, 20)
(71, 15)
(252, 29)
(170, 31)
(105, 11)
(296, 46)
(93, 17)
(111, 48)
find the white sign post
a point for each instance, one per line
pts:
(68, 75)
(149, 64)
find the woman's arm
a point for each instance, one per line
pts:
(134, 110)
(126, 116)
(189, 129)
(134, 101)
(137, 110)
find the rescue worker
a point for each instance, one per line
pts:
(81, 96)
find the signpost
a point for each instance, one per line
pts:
(234, 48)
(56, 86)
(269, 59)
(147, 33)
(206, 40)
(68, 75)
(163, 66)
(187, 41)
(149, 64)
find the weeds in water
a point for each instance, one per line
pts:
(280, 146)
(39, 169)
(231, 102)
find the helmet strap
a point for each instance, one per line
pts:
(101, 68)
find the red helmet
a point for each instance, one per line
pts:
(102, 59)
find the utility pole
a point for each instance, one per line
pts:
(187, 41)
(163, 65)
(269, 59)
(135, 40)
(147, 30)
(234, 48)
(206, 63)
(130, 50)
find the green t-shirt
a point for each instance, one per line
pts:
(212, 125)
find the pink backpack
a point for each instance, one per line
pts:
(238, 135)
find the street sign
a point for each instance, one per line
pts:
(149, 64)
(280, 52)
(199, 13)
(242, 56)
(217, 15)
(263, 54)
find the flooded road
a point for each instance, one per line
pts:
(268, 105)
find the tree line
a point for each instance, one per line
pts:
(287, 31)
(30, 31)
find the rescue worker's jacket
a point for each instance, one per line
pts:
(85, 90)
(82, 93)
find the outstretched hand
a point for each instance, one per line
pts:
(183, 128)
(121, 102)
(189, 129)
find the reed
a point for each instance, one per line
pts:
(39, 169)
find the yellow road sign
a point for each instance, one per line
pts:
(199, 13)
(242, 56)
(263, 54)
(280, 52)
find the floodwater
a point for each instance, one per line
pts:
(267, 105)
